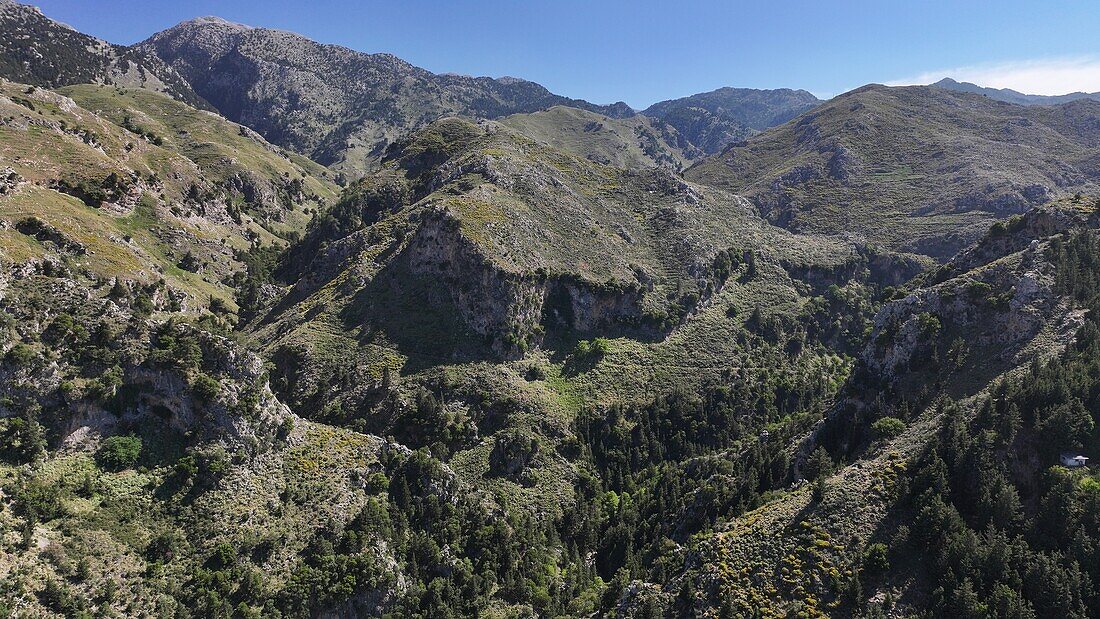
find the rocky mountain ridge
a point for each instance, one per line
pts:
(39, 51)
(917, 169)
(714, 120)
(337, 105)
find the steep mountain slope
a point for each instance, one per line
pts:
(916, 169)
(339, 106)
(39, 51)
(525, 368)
(143, 188)
(1011, 96)
(638, 141)
(529, 242)
(714, 120)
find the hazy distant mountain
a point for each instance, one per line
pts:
(1011, 96)
(36, 50)
(713, 120)
(340, 106)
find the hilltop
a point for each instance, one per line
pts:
(1012, 96)
(635, 142)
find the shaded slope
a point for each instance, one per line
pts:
(522, 241)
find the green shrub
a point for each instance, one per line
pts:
(119, 452)
(888, 427)
(20, 355)
(592, 351)
(876, 560)
(205, 387)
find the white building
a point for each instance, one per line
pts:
(1074, 460)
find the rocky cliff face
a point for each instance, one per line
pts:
(514, 309)
(987, 308)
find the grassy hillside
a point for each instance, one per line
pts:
(140, 186)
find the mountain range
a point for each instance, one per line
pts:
(1011, 96)
(291, 330)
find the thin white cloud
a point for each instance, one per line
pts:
(1051, 76)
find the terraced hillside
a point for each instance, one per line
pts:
(917, 169)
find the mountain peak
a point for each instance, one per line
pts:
(206, 20)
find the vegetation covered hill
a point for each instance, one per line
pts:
(341, 107)
(144, 188)
(150, 468)
(714, 120)
(934, 483)
(527, 367)
(917, 169)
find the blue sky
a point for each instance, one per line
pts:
(642, 52)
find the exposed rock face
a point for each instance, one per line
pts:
(999, 307)
(511, 308)
(245, 414)
(9, 180)
(1015, 235)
